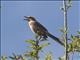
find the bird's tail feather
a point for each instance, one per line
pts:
(55, 38)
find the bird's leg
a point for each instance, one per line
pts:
(43, 38)
(36, 36)
(40, 37)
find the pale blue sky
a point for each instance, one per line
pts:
(14, 30)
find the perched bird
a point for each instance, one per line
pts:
(39, 29)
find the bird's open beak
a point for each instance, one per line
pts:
(26, 18)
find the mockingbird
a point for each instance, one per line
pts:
(39, 29)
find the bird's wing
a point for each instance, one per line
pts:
(41, 26)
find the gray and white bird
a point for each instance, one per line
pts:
(39, 29)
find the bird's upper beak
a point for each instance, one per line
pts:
(26, 18)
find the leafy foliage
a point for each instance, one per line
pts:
(30, 54)
(3, 58)
(48, 57)
(62, 58)
(31, 42)
(78, 32)
(44, 45)
(70, 3)
(35, 48)
(75, 44)
(17, 57)
(14, 57)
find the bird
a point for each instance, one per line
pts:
(39, 29)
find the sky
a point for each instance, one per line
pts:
(14, 30)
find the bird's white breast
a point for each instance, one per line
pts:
(31, 25)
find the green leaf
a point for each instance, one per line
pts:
(70, 47)
(33, 47)
(31, 42)
(22, 57)
(62, 58)
(70, 3)
(48, 57)
(14, 57)
(78, 32)
(31, 53)
(44, 45)
(72, 37)
(4, 58)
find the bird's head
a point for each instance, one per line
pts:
(29, 18)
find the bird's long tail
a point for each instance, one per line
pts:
(55, 38)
